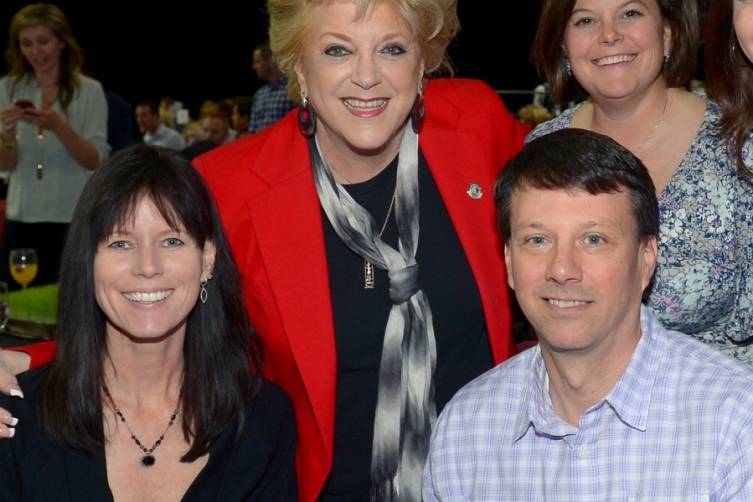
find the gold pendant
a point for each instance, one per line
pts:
(368, 275)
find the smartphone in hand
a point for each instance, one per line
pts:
(25, 104)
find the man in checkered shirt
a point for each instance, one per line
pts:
(271, 102)
(609, 406)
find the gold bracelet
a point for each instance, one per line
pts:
(8, 145)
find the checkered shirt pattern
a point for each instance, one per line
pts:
(677, 426)
(270, 103)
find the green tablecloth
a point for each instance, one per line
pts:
(32, 312)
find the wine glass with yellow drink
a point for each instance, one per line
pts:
(23, 265)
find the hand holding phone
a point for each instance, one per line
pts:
(24, 104)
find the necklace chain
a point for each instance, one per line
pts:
(389, 210)
(148, 459)
(658, 123)
(652, 131)
(368, 267)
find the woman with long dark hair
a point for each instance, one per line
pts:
(151, 394)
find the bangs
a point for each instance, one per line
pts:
(126, 216)
(170, 183)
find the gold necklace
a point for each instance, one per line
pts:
(651, 132)
(368, 267)
(658, 123)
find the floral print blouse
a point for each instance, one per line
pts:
(703, 284)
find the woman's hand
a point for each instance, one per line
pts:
(10, 117)
(44, 119)
(48, 120)
(10, 364)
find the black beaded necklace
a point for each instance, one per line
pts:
(148, 459)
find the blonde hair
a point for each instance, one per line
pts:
(71, 55)
(435, 23)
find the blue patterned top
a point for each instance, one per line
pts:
(704, 281)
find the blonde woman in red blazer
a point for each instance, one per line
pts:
(267, 198)
(360, 76)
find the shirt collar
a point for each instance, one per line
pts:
(630, 398)
(160, 130)
(537, 410)
(280, 82)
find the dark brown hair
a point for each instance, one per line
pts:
(71, 55)
(577, 159)
(219, 347)
(729, 80)
(548, 53)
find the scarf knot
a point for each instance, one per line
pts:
(403, 283)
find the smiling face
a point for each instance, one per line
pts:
(41, 48)
(616, 47)
(743, 21)
(361, 76)
(147, 275)
(578, 268)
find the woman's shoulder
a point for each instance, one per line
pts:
(268, 423)
(14, 83)
(460, 87)
(271, 402)
(562, 121)
(463, 96)
(88, 85)
(709, 152)
(280, 137)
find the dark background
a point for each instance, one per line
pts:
(203, 50)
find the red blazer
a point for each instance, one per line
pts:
(264, 187)
(265, 191)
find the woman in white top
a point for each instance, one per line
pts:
(54, 128)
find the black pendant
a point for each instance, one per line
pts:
(148, 460)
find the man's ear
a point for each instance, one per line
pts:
(508, 266)
(649, 252)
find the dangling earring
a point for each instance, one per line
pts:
(417, 112)
(306, 117)
(203, 292)
(568, 67)
(667, 54)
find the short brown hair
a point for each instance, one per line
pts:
(548, 54)
(577, 159)
(435, 23)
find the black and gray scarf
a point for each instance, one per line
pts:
(406, 411)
